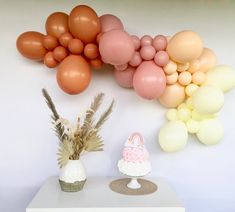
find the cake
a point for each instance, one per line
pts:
(135, 157)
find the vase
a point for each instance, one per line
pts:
(72, 176)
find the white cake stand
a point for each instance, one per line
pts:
(134, 184)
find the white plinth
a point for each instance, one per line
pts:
(97, 197)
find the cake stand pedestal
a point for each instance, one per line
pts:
(96, 196)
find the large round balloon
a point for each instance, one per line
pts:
(173, 95)
(116, 47)
(84, 23)
(173, 136)
(207, 60)
(149, 80)
(185, 46)
(109, 22)
(57, 24)
(74, 74)
(30, 45)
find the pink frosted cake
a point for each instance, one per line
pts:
(135, 161)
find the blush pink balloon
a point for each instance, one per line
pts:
(160, 42)
(116, 47)
(109, 22)
(149, 80)
(161, 58)
(136, 41)
(146, 40)
(124, 78)
(121, 67)
(135, 60)
(147, 52)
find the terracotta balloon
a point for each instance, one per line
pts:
(91, 51)
(74, 74)
(30, 45)
(65, 39)
(185, 46)
(84, 23)
(96, 63)
(116, 47)
(124, 78)
(75, 46)
(109, 22)
(50, 42)
(207, 60)
(50, 61)
(60, 53)
(149, 80)
(57, 24)
(173, 95)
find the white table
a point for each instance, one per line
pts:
(97, 197)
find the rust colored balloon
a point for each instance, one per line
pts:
(84, 23)
(50, 42)
(57, 24)
(30, 45)
(49, 60)
(65, 38)
(91, 51)
(74, 74)
(60, 53)
(76, 46)
(96, 63)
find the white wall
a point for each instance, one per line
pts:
(202, 176)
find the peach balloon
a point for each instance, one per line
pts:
(182, 67)
(96, 63)
(91, 51)
(74, 74)
(172, 78)
(116, 47)
(199, 77)
(109, 22)
(57, 24)
(75, 46)
(49, 60)
(30, 45)
(207, 60)
(173, 95)
(50, 42)
(124, 78)
(60, 53)
(194, 66)
(65, 39)
(84, 23)
(170, 67)
(185, 46)
(185, 78)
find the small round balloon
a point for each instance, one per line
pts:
(124, 78)
(74, 74)
(84, 23)
(149, 80)
(57, 24)
(30, 45)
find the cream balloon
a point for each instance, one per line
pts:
(172, 114)
(173, 136)
(210, 131)
(221, 76)
(192, 126)
(208, 99)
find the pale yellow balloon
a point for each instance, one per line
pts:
(197, 116)
(182, 67)
(184, 114)
(172, 78)
(210, 131)
(185, 46)
(189, 103)
(173, 136)
(207, 59)
(182, 105)
(190, 89)
(208, 99)
(192, 126)
(172, 96)
(170, 67)
(221, 76)
(172, 115)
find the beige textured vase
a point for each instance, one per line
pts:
(72, 176)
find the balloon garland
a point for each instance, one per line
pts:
(178, 71)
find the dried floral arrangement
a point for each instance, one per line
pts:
(82, 137)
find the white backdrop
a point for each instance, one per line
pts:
(202, 176)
